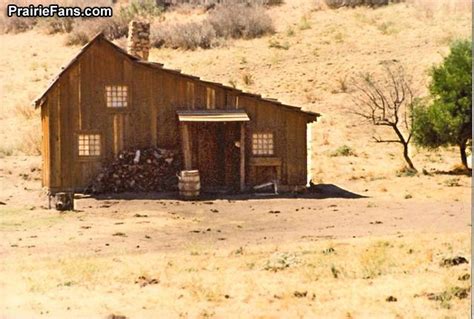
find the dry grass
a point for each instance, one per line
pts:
(247, 78)
(236, 20)
(430, 8)
(49, 25)
(332, 277)
(31, 140)
(273, 43)
(187, 36)
(80, 31)
(25, 111)
(317, 258)
(241, 21)
(223, 22)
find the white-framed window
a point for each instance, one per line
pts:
(117, 96)
(89, 145)
(211, 98)
(262, 144)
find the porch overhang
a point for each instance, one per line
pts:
(213, 116)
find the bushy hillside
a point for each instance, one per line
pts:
(308, 62)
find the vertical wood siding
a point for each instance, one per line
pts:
(77, 105)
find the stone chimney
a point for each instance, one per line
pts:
(139, 39)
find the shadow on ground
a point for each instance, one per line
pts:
(319, 191)
(330, 191)
(455, 172)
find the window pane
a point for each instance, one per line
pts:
(262, 144)
(117, 96)
(89, 144)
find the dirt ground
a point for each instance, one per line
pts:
(155, 255)
(330, 212)
(371, 243)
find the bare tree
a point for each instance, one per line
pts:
(387, 100)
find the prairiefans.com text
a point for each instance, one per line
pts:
(58, 11)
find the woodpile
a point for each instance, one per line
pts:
(144, 170)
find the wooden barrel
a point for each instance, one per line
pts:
(189, 184)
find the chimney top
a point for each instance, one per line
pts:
(139, 39)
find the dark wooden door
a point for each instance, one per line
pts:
(232, 155)
(217, 155)
(210, 155)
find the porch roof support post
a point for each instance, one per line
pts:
(186, 146)
(242, 156)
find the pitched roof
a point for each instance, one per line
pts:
(100, 36)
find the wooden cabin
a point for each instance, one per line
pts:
(108, 99)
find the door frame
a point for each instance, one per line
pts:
(189, 134)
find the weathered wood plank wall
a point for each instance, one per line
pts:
(77, 104)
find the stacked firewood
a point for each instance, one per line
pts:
(143, 170)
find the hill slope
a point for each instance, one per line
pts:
(308, 62)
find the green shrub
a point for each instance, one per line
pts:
(304, 23)
(452, 182)
(290, 32)
(5, 151)
(277, 45)
(343, 150)
(147, 9)
(406, 172)
(447, 118)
